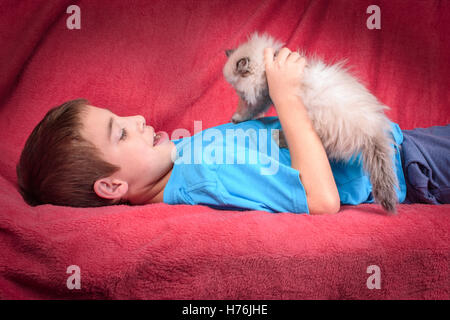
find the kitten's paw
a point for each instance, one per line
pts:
(260, 115)
(237, 118)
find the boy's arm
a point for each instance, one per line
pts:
(308, 155)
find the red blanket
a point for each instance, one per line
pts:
(164, 59)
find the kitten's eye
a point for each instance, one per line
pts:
(242, 63)
(243, 66)
(124, 134)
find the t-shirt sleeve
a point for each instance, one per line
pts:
(264, 180)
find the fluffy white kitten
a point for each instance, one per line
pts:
(347, 117)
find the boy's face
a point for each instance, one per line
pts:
(128, 143)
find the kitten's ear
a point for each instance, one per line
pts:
(229, 52)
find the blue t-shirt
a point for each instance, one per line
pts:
(241, 167)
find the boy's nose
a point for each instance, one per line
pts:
(141, 123)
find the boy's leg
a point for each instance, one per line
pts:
(425, 156)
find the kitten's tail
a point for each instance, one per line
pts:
(377, 161)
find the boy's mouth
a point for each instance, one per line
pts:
(160, 137)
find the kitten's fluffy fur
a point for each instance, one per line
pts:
(346, 116)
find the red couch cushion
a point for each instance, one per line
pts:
(164, 59)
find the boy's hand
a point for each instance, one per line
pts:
(284, 74)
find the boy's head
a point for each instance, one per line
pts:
(83, 156)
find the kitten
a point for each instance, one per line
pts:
(347, 117)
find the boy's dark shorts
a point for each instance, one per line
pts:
(425, 154)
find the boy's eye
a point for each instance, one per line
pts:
(123, 135)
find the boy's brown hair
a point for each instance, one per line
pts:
(58, 166)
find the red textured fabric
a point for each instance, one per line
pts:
(164, 59)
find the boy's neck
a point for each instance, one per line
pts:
(159, 188)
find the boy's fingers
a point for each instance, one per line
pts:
(293, 56)
(282, 55)
(303, 62)
(268, 57)
(301, 59)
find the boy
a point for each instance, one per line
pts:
(81, 155)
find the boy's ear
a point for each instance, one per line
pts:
(110, 188)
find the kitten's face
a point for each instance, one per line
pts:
(245, 71)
